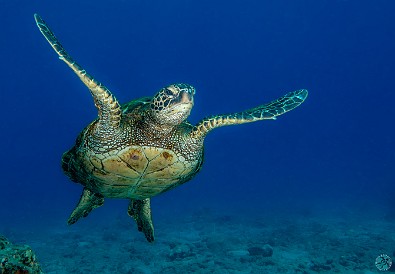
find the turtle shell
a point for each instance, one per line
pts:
(135, 172)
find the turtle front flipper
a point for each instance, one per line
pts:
(140, 211)
(107, 105)
(267, 111)
(88, 201)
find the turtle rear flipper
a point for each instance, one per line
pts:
(140, 211)
(263, 112)
(88, 201)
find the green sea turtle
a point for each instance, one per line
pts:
(145, 147)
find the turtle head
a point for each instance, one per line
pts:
(173, 104)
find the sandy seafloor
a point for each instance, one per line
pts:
(209, 241)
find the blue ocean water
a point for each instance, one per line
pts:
(333, 154)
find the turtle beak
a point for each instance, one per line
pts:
(186, 98)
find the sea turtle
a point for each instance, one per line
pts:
(145, 147)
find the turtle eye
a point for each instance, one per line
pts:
(169, 93)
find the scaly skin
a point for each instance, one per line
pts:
(145, 147)
(267, 111)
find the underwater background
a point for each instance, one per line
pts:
(330, 162)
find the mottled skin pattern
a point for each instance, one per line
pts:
(145, 147)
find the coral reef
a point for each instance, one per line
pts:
(17, 259)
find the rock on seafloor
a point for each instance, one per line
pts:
(17, 258)
(265, 251)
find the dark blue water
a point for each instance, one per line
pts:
(334, 153)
